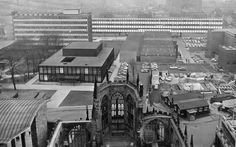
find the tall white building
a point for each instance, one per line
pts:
(64, 27)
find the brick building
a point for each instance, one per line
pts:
(222, 43)
(215, 38)
(227, 58)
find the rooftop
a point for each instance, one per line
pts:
(192, 104)
(231, 31)
(98, 61)
(186, 96)
(16, 116)
(83, 45)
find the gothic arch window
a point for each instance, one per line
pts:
(117, 106)
(104, 106)
(130, 110)
(117, 111)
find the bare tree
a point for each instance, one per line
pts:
(13, 61)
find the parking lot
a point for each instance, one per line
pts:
(195, 42)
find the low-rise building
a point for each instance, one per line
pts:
(77, 62)
(227, 58)
(188, 105)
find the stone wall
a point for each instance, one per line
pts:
(41, 126)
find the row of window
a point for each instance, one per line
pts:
(49, 20)
(52, 32)
(143, 30)
(43, 34)
(49, 16)
(81, 78)
(156, 22)
(51, 27)
(70, 70)
(38, 22)
(42, 25)
(146, 27)
(158, 19)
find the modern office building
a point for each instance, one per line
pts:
(121, 26)
(227, 58)
(149, 47)
(23, 123)
(77, 62)
(215, 38)
(53, 28)
(223, 44)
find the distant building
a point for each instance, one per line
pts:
(149, 47)
(223, 43)
(227, 58)
(123, 26)
(188, 105)
(215, 38)
(23, 123)
(53, 28)
(77, 62)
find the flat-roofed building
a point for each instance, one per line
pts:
(227, 58)
(119, 26)
(63, 27)
(79, 61)
(23, 123)
(219, 37)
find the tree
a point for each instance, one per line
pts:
(13, 61)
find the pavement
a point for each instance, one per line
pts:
(185, 54)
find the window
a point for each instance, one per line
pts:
(41, 69)
(53, 70)
(49, 70)
(99, 78)
(45, 77)
(44, 69)
(86, 70)
(200, 109)
(86, 78)
(57, 70)
(41, 77)
(90, 70)
(69, 70)
(73, 70)
(78, 70)
(95, 71)
(61, 70)
(65, 70)
(82, 70)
